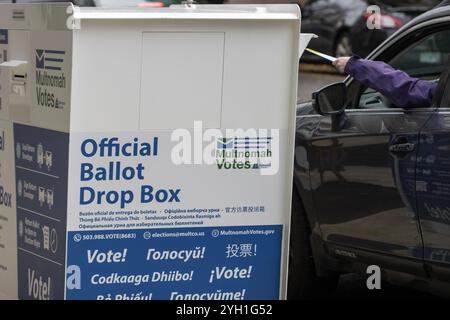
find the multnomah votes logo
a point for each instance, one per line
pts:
(49, 59)
(244, 153)
(50, 78)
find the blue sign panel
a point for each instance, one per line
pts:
(41, 178)
(3, 36)
(214, 263)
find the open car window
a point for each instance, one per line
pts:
(425, 59)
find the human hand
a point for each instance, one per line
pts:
(341, 63)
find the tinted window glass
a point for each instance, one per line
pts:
(426, 58)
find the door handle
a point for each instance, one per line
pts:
(401, 147)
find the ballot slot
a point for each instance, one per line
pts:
(14, 76)
(19, 79)
(19, 76)
(13, 81)
(15, 73)
(19, 55)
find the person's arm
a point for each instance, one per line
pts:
(401, 89)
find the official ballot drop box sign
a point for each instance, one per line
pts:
(106, 128)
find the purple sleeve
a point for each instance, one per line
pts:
(401, 89)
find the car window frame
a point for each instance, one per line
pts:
(388, 50)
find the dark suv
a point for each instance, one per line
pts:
(371, 179)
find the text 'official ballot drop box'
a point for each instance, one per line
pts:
(146, 153)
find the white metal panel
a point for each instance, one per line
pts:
(8, 223)
(181, 79)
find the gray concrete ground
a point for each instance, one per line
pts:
(311, 78)
(353, 287)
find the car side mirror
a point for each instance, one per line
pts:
(330, 100)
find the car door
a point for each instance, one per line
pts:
(363, 170)
(433, 186)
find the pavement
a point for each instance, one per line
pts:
(351, 286)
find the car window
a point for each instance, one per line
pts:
(425, 59)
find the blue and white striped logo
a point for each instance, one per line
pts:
(246, 143)
(49, 59)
